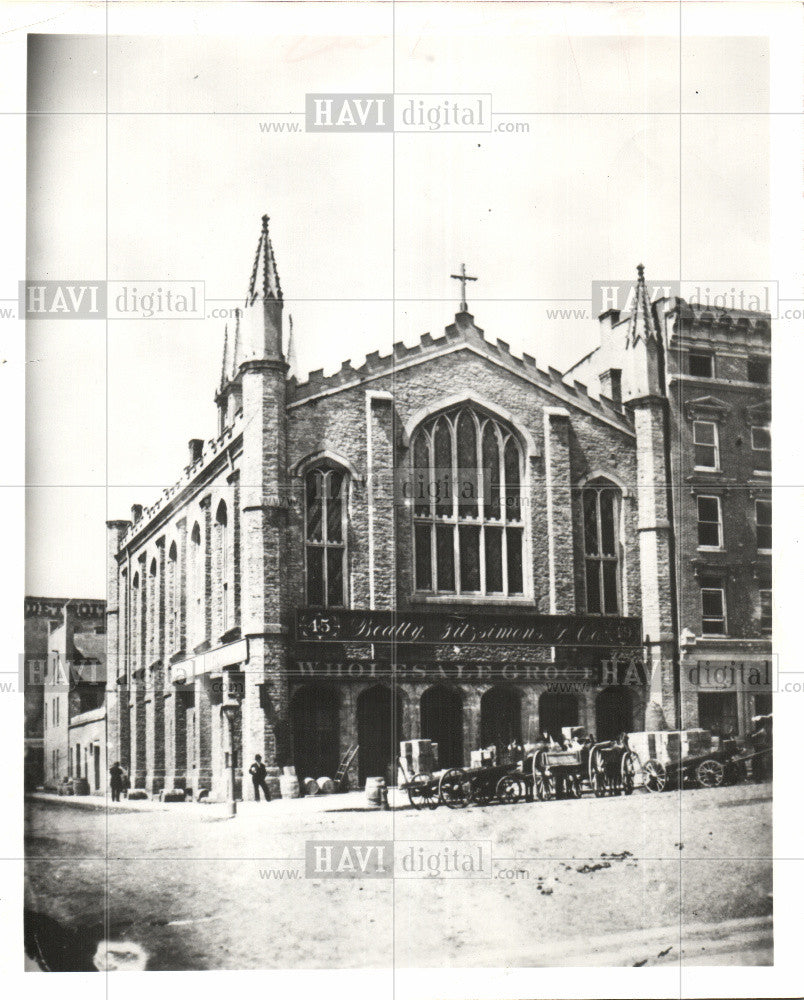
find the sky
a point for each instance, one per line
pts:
(367, 229)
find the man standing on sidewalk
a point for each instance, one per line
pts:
(116, 781)
(259, 772)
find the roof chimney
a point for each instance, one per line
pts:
(136, 511)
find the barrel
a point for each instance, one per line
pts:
(310, 786)
(376, 792)
(289, 786)
(326, 786)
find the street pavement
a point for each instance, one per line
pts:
(629, 881)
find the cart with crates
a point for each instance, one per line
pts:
(694, 757)
(456, 787)
(606, 767)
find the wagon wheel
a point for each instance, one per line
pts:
(511, 789)
(422, 792)
(655, 776)
(628, 769)
(709, 773)
(544, 786)
(481, 792)
(455, 789)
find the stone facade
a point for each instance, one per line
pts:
(704, 375)
(208, 586)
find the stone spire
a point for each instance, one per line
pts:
(264, 272)
(226, 363)
(260, 330)
(642, 325)
(256, 334)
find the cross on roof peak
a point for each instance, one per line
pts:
(463, 277)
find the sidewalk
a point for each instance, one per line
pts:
(343, 802)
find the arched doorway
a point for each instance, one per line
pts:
(316, 729)
(500, 717)
(614, 712)
(442, 722)
(557, 711)
(379, 730)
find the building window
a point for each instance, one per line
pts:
(135, 623)
(601, 518)
(325, 512)
(222, 532)
(713, 606)
(152, 623)
(759, 370)
(710, 526)
(196, 585)
(705, 439)
(173, 598)
(701, 365)
(766, 611)
(761, 446)
(717, 712)
(467, 506)
(764, 515)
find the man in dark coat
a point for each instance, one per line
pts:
(116, 780)
(259, 772)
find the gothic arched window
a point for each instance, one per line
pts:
(172, 601)
(467, 508)
(196, 598)
(325, 521)
(134, 632)
(222, 540)
(152, 624)
(601, 533)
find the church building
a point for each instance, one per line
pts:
(447, 542)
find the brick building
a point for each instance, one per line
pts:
(710, 383)
(446, 542)
(43, 618)
(74, 684)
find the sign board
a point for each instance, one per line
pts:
(467, 628)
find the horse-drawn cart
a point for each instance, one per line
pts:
(457, 787)
(607, 768)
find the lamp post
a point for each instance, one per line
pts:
(229, 709)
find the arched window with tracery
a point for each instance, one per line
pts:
(325, 529)
(222, 557)
(134, 631)
(172, 599)
(152, 623)
(196, 596)
(602, 548)
(468, 470)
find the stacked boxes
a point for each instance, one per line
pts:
(419, 757)
(483, 758)
(670, 747)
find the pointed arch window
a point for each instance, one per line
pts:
(222, 544)
(152, 623)
(602, 547)
(325, 532)
(196, 584)
(173, 599)
(134, 631)
(468, 470)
